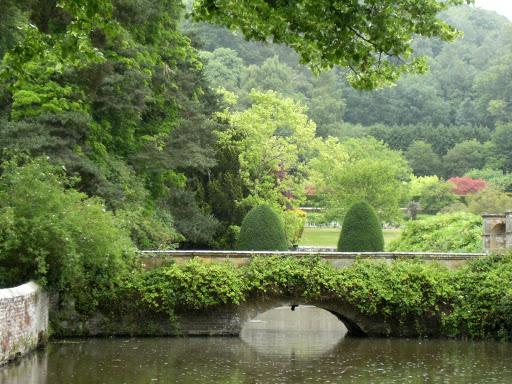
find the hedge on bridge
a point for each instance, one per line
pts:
(361, 230)
(415, 298)
(262, 230)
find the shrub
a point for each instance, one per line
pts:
(432, 193)
(57, 236)
(455, 232)
(148, 232)
(361, 230)
(466, 185)
(294, 223)
(493, 176)
(262, 230)
(482, 306)
(192, 285)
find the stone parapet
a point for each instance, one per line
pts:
(153, 259)
(23, 320)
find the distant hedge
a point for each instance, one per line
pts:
(452, 232)
(361, 230)
(262, 230)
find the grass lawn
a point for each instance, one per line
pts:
(328, 237)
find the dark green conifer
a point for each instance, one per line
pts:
(262, 231)
(361, 231)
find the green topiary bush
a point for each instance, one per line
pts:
(361, 230)
(262, 230)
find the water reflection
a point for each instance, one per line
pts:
(29, 370)
(235, 361)
(304, 333)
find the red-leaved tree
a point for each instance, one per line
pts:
(466, 185)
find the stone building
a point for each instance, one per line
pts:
(497, 232)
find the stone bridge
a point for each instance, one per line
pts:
(229, 320)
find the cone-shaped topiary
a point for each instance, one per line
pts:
(361, 231)
(262, 231)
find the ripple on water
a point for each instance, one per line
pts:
(282, 355)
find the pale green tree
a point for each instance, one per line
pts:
(360, 170)
(272, 75)
(492, 199)
(273, 137)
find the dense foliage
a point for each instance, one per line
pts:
(113, 92)
(361, 230)
(117, 93)
(455, 232)
(363, 169)
(496, 177)
(457, 107)
(492, 199)
(57, 236)
(483, 299)
(432, 193)
(371, 39)
(413, 297)
(262, 230)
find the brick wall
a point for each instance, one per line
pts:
(23, 320)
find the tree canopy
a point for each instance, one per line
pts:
(360, 170)
(272, 137)
(371, 38)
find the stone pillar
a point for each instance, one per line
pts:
(508, 229)
(494, 232)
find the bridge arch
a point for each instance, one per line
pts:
(357, 324)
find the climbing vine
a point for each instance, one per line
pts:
(412, 296)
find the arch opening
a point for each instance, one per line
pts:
(297, 318)
(498, 229)
(293, 330)
(342, 314)
(498, 233)
(353, 330)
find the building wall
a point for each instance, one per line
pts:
(23, 320)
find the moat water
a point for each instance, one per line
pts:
(281, 346)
